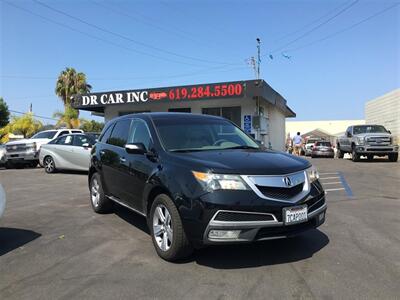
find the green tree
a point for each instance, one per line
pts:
(69, 118)
(4, 113)
(26, 125)
(92, 126)
(69, 83)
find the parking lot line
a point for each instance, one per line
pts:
(331, 173)
(333, 177)
(331, 190)
(335, 182)
(346, 185)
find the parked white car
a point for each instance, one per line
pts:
(2, 200)
(68, 152)
(2, 155)
(26, 151)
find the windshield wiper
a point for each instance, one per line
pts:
(241, 147)
(186, 150)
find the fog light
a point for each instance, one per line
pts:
(360, 148)
(224, 234)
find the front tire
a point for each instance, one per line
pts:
(100, 203)
(49, 165)
(167, 231)
(394, 157)
(355, 156)
(9, 165)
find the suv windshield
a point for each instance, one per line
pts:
(368, 129)
(324, 144)
(182, 135)
(44, 135)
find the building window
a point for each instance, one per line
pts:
(230, 113)
(183, 110)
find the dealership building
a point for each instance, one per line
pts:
(253, 105)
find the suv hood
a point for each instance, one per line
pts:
(38, 142)
(244, 162)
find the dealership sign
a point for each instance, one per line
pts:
(180, 93)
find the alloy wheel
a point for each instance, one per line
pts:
(95, 192)
(162, 228)
(49, 165)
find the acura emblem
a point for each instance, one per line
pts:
(287, 181)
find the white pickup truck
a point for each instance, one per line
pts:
(369, 141)
(26, 151)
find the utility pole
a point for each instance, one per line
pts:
(258, 57)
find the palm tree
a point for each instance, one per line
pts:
(69, 118)
(69, 83)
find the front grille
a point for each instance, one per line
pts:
(380, 149)
(269, 232)
(378, 141)
(229, 216)
(16, 148)
(279, 192)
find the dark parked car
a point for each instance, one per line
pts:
(324, 149)
(201, 180)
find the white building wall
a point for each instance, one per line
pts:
(248, 107)
(385, 110)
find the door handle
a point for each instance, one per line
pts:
(102, 152)
(122, 159)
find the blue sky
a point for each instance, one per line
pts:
(162, 43)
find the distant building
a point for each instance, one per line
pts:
(385, 110)
(327, 130)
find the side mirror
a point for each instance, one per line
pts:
(86, 145)
(389, 132)
(135, 148)
(348, 134)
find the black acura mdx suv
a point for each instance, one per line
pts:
(200, 180)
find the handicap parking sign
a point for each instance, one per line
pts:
(247, 123)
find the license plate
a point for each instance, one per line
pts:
(294, 215)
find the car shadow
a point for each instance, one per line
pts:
(264, 253)
(132, 218)
(13, 238)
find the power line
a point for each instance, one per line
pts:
(285, 36)
(126, 37)
(36, 116)
(314, 28)
(96, 37)
(344, 29)
(145, 20)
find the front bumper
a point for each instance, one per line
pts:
(22, 157)
(198, 216)
(378, 150)
(265, 230)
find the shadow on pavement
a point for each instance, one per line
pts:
(13, 238)
(132, 218)
(265, 253)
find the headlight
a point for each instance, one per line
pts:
(312, 174)
(360, 141)
(32, 147)
(212, 182)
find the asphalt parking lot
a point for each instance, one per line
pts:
(52, 246)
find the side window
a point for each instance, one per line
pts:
(106, 134)
(140, 134)
(76, 131)
(64, 140)
(79, 140)
(64, 132)
(119, 135)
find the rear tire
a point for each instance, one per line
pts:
(100, 203)
(49, 165)
(394, 157)
(169, 237)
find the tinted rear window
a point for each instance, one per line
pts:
(119, 135)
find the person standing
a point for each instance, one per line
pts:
(297, 141)
(289, 144)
